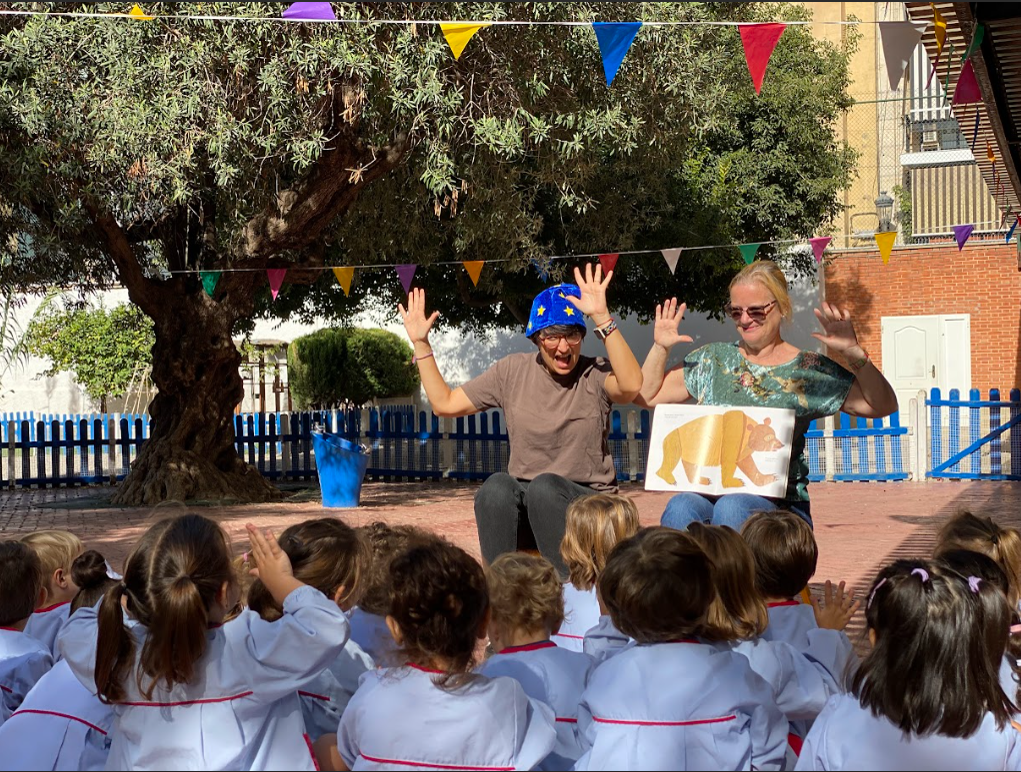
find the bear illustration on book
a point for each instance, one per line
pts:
(727, 440)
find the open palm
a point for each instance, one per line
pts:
(668, 320)
(838, 330)
(416, 323)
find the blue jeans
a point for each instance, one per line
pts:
(732, 509)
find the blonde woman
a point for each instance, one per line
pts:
(761, 369)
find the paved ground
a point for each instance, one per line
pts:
(859, 526)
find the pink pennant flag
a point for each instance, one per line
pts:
(310, 12)
(961, 233)
(819, 244)
(967, 91)
(608, 262)
(759, 41)
(276, 279)
(671, 255)
(406, 274)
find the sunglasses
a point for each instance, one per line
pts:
(755, 313)
(553, 340)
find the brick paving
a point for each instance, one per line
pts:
(859, 526)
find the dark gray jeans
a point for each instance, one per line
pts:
(514, 514)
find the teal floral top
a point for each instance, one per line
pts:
(812, 385)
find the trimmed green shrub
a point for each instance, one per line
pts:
(349, 367)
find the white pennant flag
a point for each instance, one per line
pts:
(671, 255)
(899, 41)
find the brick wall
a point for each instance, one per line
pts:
(981, 280)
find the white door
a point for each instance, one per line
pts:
(927, 352)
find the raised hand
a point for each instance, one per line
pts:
(593, 293)
(416, 323)
(837, 609)
(838, 330)
(668, 319)
(272, 565)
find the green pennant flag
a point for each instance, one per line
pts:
(209, 279)
(748, 252)
(976, 40)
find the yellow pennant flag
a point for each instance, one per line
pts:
(138, 13)
(344, 276)
(885, 243)
(458, 35)
(940, 25)
(990, 154)
(474, 269)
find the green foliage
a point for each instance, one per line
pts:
(349, 367)
(103, 349)
(903, 195)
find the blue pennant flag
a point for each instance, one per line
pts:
(1012, 227)
(615, 39)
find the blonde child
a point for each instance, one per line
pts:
(595, 524)
(527, 609)
(57, 550)
(23, 659)
(188, 691)
(669, 701)
(76, 725)
(431, 711)
(926, 696)
(326, 554)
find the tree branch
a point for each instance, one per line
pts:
(142, 290)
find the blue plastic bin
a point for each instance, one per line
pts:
(341, 467)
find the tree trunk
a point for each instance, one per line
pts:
(191, 453)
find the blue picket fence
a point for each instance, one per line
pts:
(855, 449)
(992, 449)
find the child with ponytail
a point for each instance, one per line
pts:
(189, 692)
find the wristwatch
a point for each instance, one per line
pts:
(603, 332)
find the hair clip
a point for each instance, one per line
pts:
(245, 557)
(874, 591)
(974, 582)
(922, 573)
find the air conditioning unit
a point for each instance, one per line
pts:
(930, 139)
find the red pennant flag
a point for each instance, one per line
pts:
(608, 262)
(276, 279)
(819, 244)
(759, 41)
(967, 90)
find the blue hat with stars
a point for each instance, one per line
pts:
(551, 307)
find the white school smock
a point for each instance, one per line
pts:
(790, 621)
(679, 705)
(323, 701)
(401, 719)
(23, 661)
(848, 736)
(242, 711)
(581, 613)
(604, 640)
(44, 625)
(554, 676)
(60, 725)
(794, 622)
(370, 632)
(1008, 680)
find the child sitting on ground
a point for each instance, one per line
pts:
(926, 696)
(326, 554)
(527, 609)
(672, 701)
(23, 659)
(75, 723)
(595, 524)
(432, 711)
(57, 550)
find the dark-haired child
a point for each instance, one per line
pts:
(927, 695)
(23, 659)
(527, 606)
(669, 701)
(432, 711)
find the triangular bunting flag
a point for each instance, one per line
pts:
(819, 244)
(276, 279)
(344, 275)
(961, 233)
(209, 279)
(474, 269)
(541, 269)
(990, 154)
(940, 30)
(609, 262)
(406, 274)
(671, 255)
(974, 133)
(885, 241)
(614, 39)
(759, 41)
(138, 13)
(967, 90)
(976, 40)
(1012, 227)
(458, 35)
(748, 252)
(899, 40)
(310, 12)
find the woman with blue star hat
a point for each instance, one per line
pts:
(556, 404)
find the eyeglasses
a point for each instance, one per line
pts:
(755, 313)
(553, 340)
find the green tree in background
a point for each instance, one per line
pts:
(141, 152)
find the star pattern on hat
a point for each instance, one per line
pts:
(563, 296)
(541, 311)
(569, 311)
